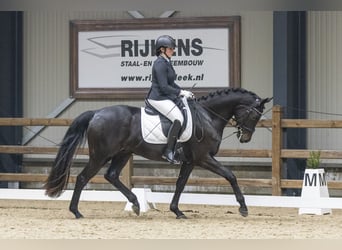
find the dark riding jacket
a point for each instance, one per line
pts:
(163, 81)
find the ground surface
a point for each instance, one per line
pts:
(21, 219)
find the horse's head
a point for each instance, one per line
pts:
(247, 117)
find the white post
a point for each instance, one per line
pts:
(141, 194)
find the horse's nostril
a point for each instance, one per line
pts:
(245, 138)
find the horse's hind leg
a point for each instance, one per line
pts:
(82, 179)
(216, 167)
(183, 177)
(113, 174)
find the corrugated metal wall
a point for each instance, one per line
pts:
(324, 76)
(46, 65)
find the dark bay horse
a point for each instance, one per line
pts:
(114, 134)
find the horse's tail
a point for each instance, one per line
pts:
(59, 175)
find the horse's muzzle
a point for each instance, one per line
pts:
(244, 136)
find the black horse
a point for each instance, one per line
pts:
(114, 134)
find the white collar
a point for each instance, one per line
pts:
(166, 58)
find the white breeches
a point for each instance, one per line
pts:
(169, 109)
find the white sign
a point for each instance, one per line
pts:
(123, 59)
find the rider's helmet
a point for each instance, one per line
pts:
(164, 41)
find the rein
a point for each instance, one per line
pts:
(239, 132)
(214, 113)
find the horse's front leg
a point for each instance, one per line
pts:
(214, 166)
(183, 177)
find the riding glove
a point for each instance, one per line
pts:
(187, 94)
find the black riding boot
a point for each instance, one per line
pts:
(169, 153)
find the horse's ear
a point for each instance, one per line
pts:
(266, 100)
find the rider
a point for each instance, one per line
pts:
(164, 92)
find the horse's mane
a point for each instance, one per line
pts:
(225, 91)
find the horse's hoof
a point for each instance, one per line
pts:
(243, 211)
(181, 217)
(78, 215)
(136, 209)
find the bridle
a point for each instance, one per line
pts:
(241, 123)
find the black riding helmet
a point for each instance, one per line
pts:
(164, 41)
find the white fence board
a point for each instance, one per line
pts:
(186, 198)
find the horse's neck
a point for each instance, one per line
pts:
(211, 111)
(222, 106)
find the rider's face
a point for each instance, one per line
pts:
(169, 52)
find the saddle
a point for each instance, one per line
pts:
(155, 126)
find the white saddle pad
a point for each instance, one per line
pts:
(152, 130)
